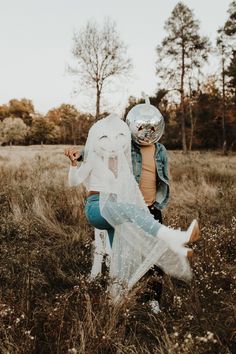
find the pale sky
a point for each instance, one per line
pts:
(36, 42)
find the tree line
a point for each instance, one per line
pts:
(199, 111)
(20, 124)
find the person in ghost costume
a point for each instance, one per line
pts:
(115, 203)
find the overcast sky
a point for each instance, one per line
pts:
(36, 42)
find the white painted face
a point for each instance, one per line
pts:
(112, 136)
(110, 144)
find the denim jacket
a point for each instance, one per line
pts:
(163, 189)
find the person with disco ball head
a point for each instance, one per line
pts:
(150, 168)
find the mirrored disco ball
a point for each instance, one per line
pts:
(146, 123)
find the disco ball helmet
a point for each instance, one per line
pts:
(146, 123)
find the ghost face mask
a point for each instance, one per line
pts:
(107, 153)
(110, 136)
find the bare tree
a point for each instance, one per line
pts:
(100, 56)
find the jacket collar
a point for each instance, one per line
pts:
(137, 146)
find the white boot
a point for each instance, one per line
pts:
(176, 239)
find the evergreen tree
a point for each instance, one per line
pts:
(231, 73)
(225, 44)
(182, 51)
(230, 24)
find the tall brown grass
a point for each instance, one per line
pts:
(49, 305)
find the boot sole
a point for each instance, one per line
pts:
(190, 254)
(194, 231)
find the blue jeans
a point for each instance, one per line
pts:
(121, 213)
(94, 217)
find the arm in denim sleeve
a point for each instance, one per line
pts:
(165, 166)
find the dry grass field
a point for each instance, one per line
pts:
(47, 303)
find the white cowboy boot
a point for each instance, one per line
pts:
(176, 239)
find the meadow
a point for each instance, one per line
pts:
(48, 304)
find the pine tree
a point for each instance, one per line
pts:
(225, 43)
(182, 51)
(230, 24)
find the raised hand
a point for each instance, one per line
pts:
(73, 154)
